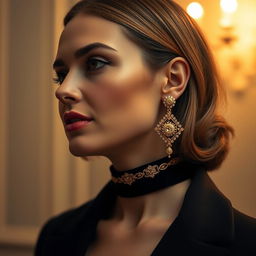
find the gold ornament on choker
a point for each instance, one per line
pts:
(149, 172)
(169, 129)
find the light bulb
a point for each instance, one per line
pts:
(195, 10)
(228, 6)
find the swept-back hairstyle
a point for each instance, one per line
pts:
(163, 30)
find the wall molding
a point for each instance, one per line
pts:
(63, 180)
(24, 236)
(4, 11)
(13, 235)
(10, 233)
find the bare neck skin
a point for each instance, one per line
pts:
(163, 205)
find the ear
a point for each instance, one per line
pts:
(178, 73)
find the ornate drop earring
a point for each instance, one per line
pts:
(169, 128)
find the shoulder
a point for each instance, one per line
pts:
(71, 231)
(67, 220)
(60, 231)
(245, 234)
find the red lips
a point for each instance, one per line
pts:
(75, 121)
(71, 117)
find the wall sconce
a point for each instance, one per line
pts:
(228, 8)
(235, 47)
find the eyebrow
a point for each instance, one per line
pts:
(82, 51)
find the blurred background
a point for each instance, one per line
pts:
(39, 177)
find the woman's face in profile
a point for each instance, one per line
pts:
(102, 75)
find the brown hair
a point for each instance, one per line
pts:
(164, 30)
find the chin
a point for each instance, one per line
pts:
(80, 149)
(75, 152)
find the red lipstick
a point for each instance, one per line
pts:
(74, 121)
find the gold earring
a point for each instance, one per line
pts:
(169, 128)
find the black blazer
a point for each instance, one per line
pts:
(207, 225)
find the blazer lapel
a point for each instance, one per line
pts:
(100, 209)
(204, 225)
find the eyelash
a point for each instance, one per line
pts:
(60, 76)
(98, 60)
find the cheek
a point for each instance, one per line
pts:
(125, 103)
(118, 89)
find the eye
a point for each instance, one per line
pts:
(60, 77)
(94, 64)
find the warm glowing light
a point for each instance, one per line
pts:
(195, 10)
(228, 6)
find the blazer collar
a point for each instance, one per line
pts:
(206, 213)
(205, 224)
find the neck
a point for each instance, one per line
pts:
(149, 186)
(137, 152)
(137, 210)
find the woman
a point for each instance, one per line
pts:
(137, 84)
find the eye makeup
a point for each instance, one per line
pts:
(91, 65)
(60, 76)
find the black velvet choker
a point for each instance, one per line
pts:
(150, 177)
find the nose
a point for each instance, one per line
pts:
(68, 92)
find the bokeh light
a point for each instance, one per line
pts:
(195, 10)
(228, 6)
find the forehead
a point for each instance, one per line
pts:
(87, 29)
